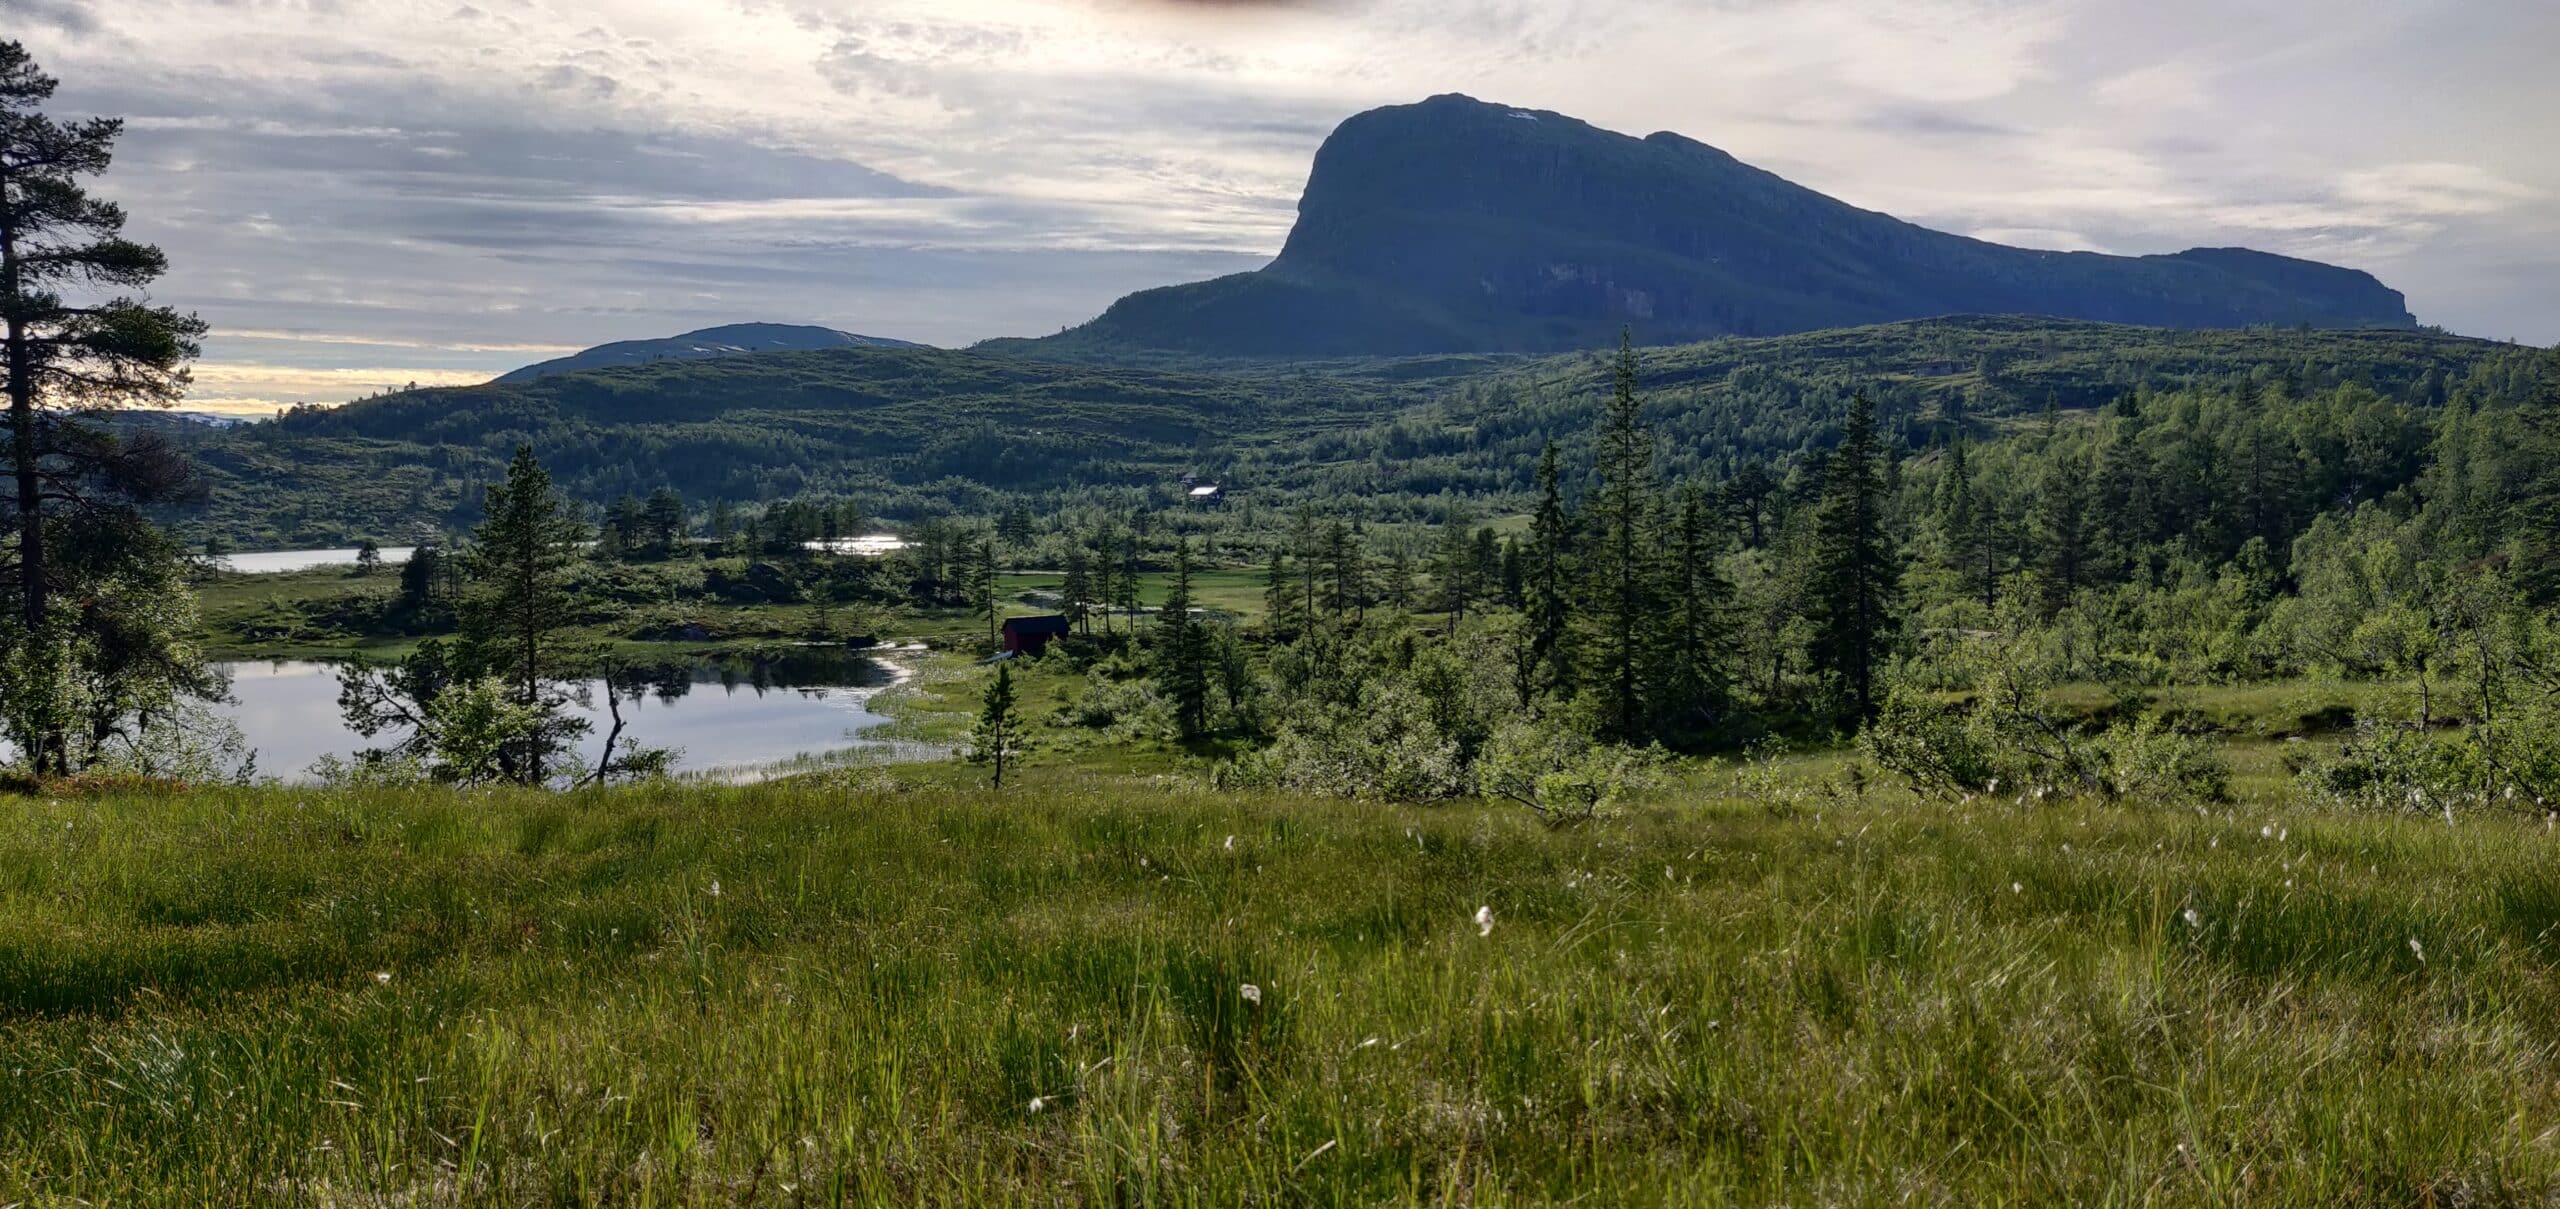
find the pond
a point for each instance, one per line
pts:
(277, 562)
(731, 720)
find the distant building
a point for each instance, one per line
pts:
(1207, 493)
(1031, 635)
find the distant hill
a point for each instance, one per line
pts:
(914, 432)
(1459, 226)
(729, 341)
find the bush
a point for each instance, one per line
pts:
(1129, 709)
(1563, 774)
(2013, 735)
(1386, 747)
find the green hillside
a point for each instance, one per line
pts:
(911, 432)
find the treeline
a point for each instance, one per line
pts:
(1935, 597)
(921, 433)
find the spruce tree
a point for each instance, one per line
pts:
(1697, 629)
(2535, 515)
(2062, 529)
(1342, 561)
(1454, 572)
(2124, 519)
(1280, 594)
(1546, 583)
(1078, 588)
(1958, 523)
(1993, 532)
(1130, 598)
(1395, 584)
(1855, 567)
(999, 732)
(1182, 654)
(983, 598)
(1106, 574)
(1618, 577)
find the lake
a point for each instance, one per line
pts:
(277, 562)
(733, 720)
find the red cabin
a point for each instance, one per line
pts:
(1031, 635)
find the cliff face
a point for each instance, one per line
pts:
(1455, 225)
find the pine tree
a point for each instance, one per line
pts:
(1618, 577)
(521, 563)
(81, 489)
(1855, 568)
(663, 522)
(621, 539)
(999, 732)
(1748, 492)
(1182, 655)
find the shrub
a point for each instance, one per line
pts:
(1563, 774)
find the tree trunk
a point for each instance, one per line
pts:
(46, 754)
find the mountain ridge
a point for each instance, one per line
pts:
(726, 340)
(1455, 225)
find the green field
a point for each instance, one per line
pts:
(1763, 986)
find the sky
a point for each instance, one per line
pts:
(363, 194)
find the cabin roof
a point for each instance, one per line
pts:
(1049, 624)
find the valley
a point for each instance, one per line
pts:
(1596, 675)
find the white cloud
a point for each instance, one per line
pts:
(460, 178)
(2435, 188)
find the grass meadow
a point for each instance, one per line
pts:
(1119, 989)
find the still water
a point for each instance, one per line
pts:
(731, 720)
(276, 562)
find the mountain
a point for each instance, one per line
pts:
(726, 341)
(1459, 226)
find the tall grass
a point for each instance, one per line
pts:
(785, 995)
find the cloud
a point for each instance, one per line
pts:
(2435, 189)
(236, 388)
(425, 182)
(69, 16)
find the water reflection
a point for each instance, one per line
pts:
(730, 718)
(277, 562)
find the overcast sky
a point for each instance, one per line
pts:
(365, 193)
